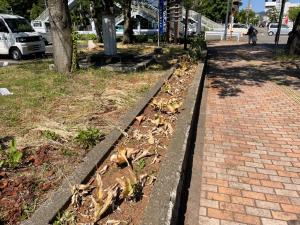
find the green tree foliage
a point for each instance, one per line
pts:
(273, 14)
(4, 5)
(213, 9)
(37, 9)
(25, 8)
(81, 14)
(293, 13)
(241, 17)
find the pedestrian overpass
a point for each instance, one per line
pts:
(146, 16)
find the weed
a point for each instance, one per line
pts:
(13, 157)
(67, 152)
(28, 209)
(140, 165)
(282, 56)
(67, 218)
(88, 138)
(51, 135)
(144, 88)
(46, 167)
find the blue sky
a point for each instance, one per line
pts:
(258, 5)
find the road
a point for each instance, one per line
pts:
(263, 38)
(5, 60)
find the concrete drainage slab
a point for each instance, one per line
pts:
(119, 63)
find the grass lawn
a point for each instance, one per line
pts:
(43, 97)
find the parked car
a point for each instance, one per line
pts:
(240, 28)
(43, 28)
(273, 27)
(17, 37)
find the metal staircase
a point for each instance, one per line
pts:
(143, 9)
(205, 22)
(148, 11)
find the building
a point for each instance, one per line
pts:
(277, 4)
(270, 4)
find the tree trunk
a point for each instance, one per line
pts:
(186, 28)
(98, 26)
(109, 35)
(96, 12)
(293, 45)
(60, 20)
(128, 26)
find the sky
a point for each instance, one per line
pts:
(259, 5)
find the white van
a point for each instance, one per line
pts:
(17, 38)
(44, 29)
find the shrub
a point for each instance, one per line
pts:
(87, 37)
(197, 46)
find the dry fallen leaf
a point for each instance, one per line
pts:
(151, 139)
(100, 202)
(104, 170)
(78, 192)
(121, 157)
(137, 135)
(155, 160)
(140, 119)
(116, 222)
(145, 153)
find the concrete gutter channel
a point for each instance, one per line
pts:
(193, 181)
(168, 200)
(165, 199)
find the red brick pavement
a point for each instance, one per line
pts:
(251, 161)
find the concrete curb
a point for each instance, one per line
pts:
(165, 200)
(130, 69)
(59, 199)
(193, 203)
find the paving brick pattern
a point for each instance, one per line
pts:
(251, 159)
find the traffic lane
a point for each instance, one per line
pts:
(6, 61)
(264, 38)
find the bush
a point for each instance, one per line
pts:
(197, 46)
(141, 38)
(87, 37)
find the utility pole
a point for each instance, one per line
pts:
(280, 22)
(248, 11)
(226, 19)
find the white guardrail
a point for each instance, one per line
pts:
(221, 34)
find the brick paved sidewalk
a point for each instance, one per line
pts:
(251, 158)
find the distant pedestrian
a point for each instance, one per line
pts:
(252, 35)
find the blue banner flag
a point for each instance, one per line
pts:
(161, 16)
